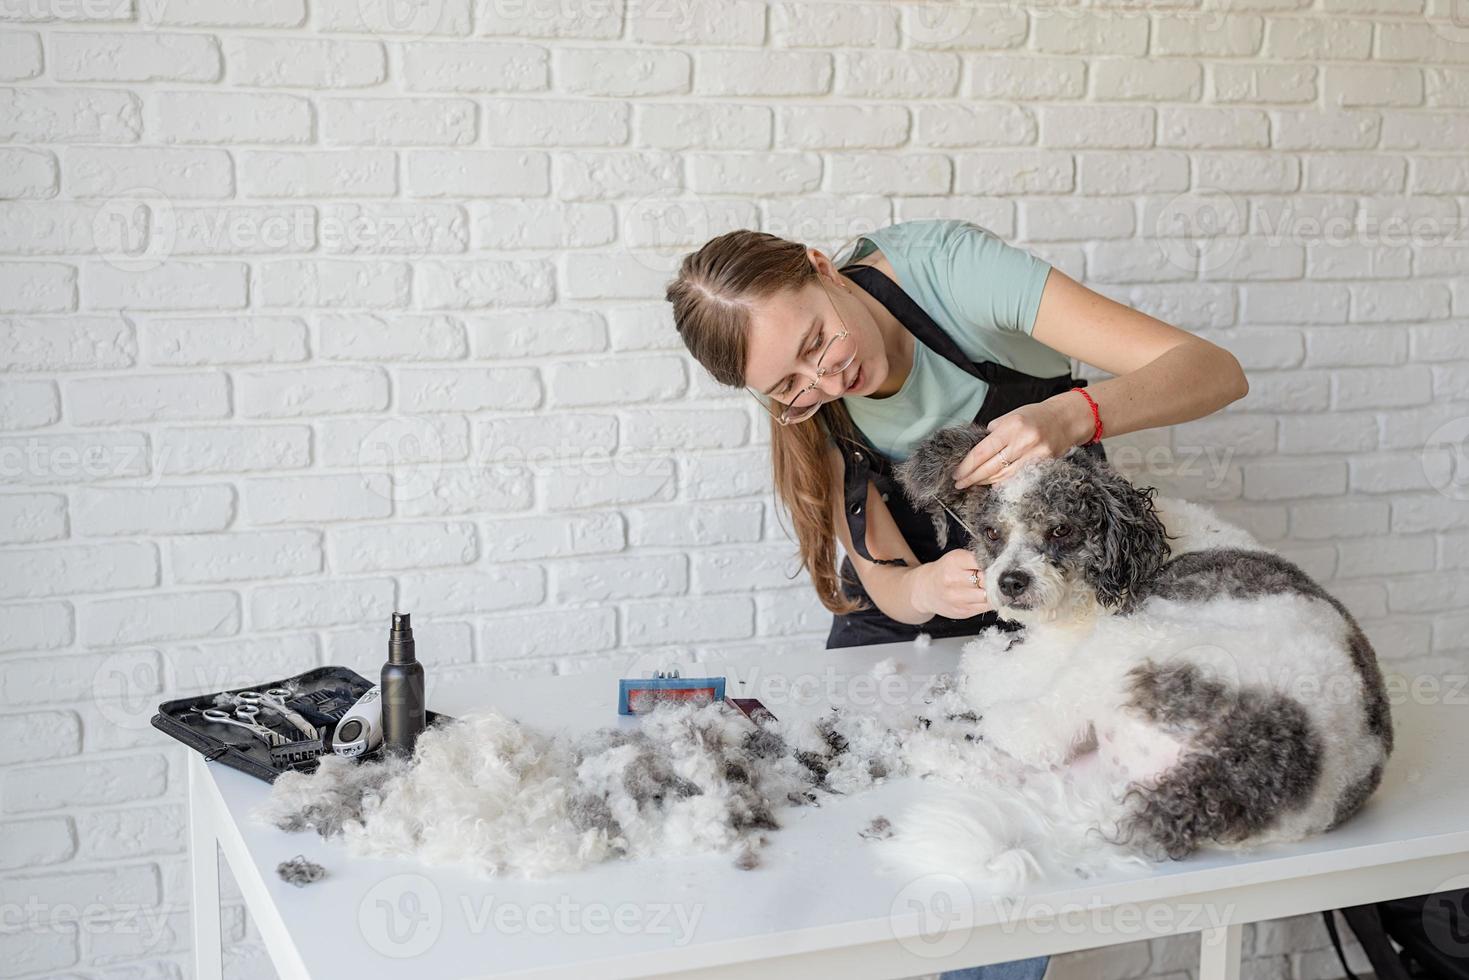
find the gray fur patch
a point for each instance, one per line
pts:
(1259, 758)
(589, 812)
(1127, 541)
(300, 871)
(1175, 695)
(343, 800)
(881, 828)
(1374, 690)
(927, 479)
(1240, 573)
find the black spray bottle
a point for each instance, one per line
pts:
(402, 690)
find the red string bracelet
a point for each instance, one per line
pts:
(1096, 418)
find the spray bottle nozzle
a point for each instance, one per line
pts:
(400, 640)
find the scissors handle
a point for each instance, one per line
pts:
(274, 699)
(266, 735)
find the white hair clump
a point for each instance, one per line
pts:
(487, 793)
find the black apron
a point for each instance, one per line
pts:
(1008, 390)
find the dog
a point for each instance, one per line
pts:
(1181, 685)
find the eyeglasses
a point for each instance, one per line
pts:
(805, 403)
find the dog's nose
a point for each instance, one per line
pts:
(1012, 583)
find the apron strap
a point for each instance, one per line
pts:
(857, 462)
(921, 325)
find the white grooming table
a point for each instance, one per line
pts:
(820, 904)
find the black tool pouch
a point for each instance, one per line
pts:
(321, 695)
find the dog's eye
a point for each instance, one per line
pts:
(1060, 531)
(990, 533)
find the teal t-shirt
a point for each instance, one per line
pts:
(983, 293)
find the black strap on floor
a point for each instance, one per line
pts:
(1366, 923)
(1330, 918)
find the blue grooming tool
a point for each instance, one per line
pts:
(636, 695)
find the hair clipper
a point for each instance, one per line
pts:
(361, 728)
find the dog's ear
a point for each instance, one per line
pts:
(927, 476)
(1134, 540)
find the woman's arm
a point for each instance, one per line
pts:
(1163, 375)
(913, 593)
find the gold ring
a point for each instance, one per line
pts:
(974, 577)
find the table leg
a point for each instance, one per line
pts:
(1219, 952)
(204, 874)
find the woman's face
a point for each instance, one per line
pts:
(789, 331)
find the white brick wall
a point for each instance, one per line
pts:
(311, 309)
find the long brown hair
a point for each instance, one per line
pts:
(712, 298)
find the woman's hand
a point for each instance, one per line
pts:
(1043, 429)
(946, 587)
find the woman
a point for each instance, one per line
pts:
(929, 323)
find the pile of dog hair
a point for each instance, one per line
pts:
(487, 793)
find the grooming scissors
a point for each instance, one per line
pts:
(244, 717)
(274, 699)
(935, 498)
